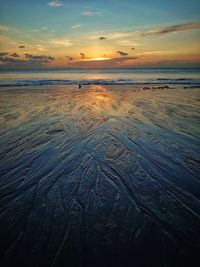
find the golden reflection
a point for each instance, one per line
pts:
(95, 100)
(86, 108)
(91, 100)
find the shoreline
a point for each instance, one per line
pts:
(62, 83)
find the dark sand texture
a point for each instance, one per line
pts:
(101, 176)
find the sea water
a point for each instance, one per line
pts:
(99, 76)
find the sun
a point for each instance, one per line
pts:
(97, 58)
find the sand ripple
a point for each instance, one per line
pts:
(102, 176)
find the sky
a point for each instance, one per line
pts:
(99, 33)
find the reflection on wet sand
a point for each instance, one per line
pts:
(99, 176)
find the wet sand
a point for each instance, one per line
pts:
(100, 176)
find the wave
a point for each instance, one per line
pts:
(37, 82)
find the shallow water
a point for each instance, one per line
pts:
(99, 76)
(101, 176)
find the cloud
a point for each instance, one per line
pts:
(69, 58)
(42, 57)
(11, 62)
(6, 59)
(30, 61)
(3, 28)
(91, 13)
(39, 30)
(123, 60)
(122, 53)
(119, 38)
(109, 63)
(40, 48)
(119, 35)
(102, 38)
(76, 26)
(61, 42)
(21, 46)
(129, 38)
(124, 42)
(173, 28)
(2, 54)
(157, 52)
(55, 4)
(14, 55)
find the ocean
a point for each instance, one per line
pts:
(99, 76)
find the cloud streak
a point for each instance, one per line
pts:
(14, 55)
(3, 28)
(173, 28)
(2, 54)
(82, 55)
(122, 53)
(69, 58)
(61, 42)
(91, 13)
(76, 26)
(113, 62)
(40, 29)
(29, 60)
(55, 4)
(43, 57)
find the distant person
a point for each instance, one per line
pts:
(79, 86)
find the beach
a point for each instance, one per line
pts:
(99, 133)
(105, 175)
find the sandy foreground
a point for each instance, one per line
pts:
(101, 176)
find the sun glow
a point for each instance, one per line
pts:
(98, 58)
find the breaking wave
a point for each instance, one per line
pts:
(31, 82)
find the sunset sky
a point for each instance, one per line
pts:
(100, 34)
